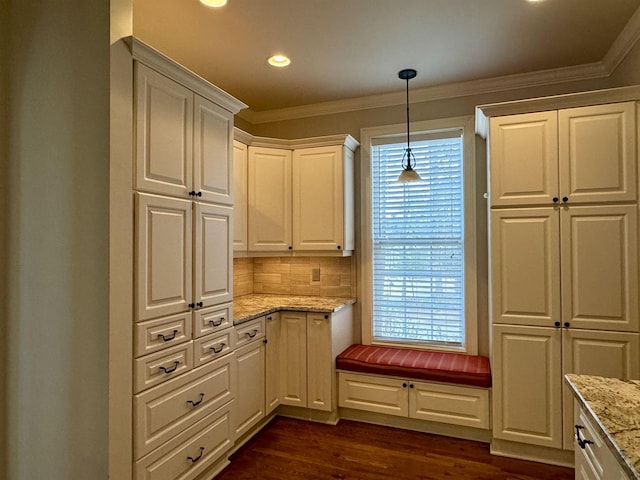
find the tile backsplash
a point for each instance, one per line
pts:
(294, 276)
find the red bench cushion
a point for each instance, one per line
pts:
(419, 364)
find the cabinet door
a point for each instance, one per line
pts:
(597, 153)
(212, 136)
(163, 256)
(318, 199)
(320, 391)
(164, 134)
(527, 387)
(272, 363)
(524, 159)
(239, 196)
(592, 352)
(213, 259)
(293, 358)
(249, 408)
(600, 267)
(525, 266)
(269, 183)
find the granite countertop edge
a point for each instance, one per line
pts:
(623, 460)
(278, 303)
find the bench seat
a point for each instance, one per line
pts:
(455, 368)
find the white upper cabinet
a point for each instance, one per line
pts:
(183, 141)
(164, 132)
(321, 203)
(524, 159)
(240, 165)
(163, 255)
(269, 199)
(299, 195)
(212, 252)
(597, 150)
(575, 155)
(212, 137)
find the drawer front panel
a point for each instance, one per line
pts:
(249, 332)
(155, 335)
(212, 347)
(373, 394)
(594, 453)
(158, 367)
(190, 453)
(455, 405)
(212, 319)
(164, 411)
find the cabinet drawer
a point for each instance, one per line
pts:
(249, 332)
(164, 411)
(212, 346)
(212, 319)
(205, 442)
(153, 369)
(161, 333)
(596, 453)
(373, 394)
(453, 404)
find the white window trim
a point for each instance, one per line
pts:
(365, 248)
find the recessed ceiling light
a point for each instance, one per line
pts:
(279, 60)
(214, 3)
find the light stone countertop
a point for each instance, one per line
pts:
(615, 405)
(252, 306)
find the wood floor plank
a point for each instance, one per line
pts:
(289, 449)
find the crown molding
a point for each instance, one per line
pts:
(438, 92)
(623, 44)
(163, 64)
(328, 140)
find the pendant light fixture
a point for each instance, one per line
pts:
(408, 159)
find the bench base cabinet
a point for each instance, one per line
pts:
(435, 402)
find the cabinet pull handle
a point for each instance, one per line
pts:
(265, 341)
(199, 304)
(404, 385)
(195, 459)
(567, 324)
(170, 369)
(192, 305)
(555, 199)
(219, 349)
(290, 247)
(565, 199)
(583, 442)
(199, 194)
(197, 402)
(168, 338)
(218, 323)
(339, 247)
(269, 317)
(326, 317)
(252, 334)
(556, 324)
(192, 193)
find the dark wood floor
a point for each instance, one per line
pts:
(295, 449)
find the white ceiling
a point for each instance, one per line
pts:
(350, 49)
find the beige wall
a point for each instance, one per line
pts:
(353, 122)
(628, 72)
(58, 232)
(4, 185)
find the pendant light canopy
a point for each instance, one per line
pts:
(408, 159)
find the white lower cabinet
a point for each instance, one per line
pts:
(528, 364)
(272, 362)
(192, 451)
(309, 345)
(436, 402)
(593, 458)
(249, 408)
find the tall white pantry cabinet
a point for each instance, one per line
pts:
(563, 259)
(185, 368)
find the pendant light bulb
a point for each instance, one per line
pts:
(408, 174)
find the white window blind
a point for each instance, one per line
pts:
(418, 243)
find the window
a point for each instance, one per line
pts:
(420, 290)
